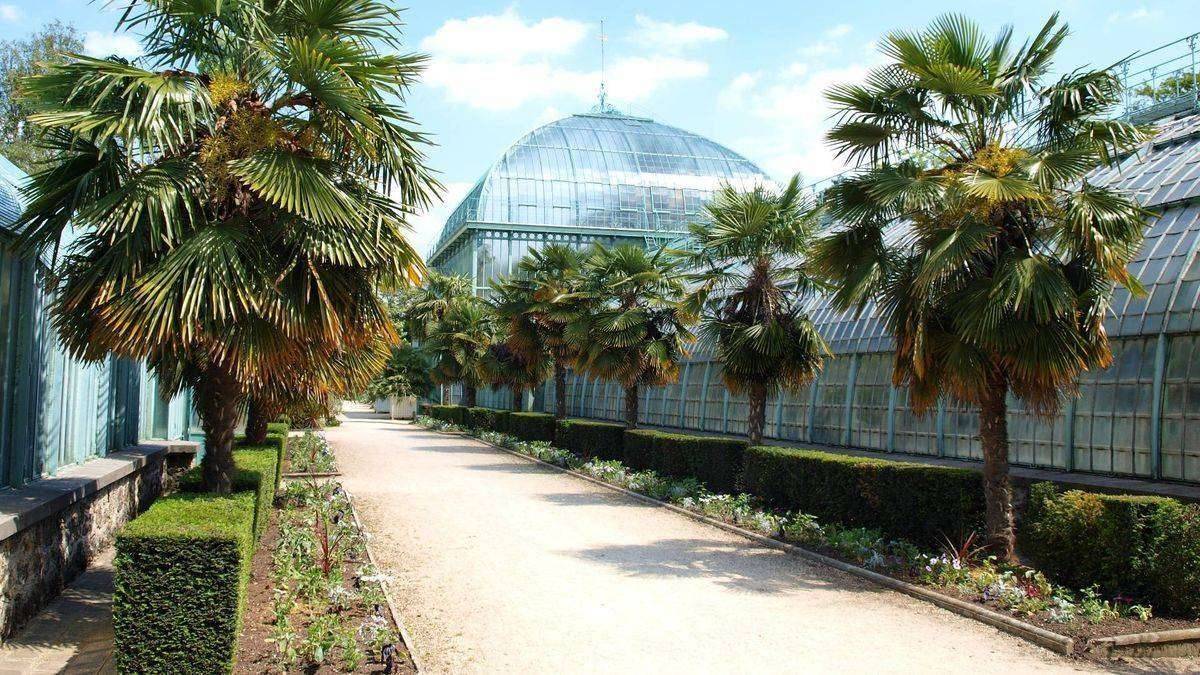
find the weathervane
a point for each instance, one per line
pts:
(603, 106)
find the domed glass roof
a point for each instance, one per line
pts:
(601, 171)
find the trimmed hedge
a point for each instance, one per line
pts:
(454, 414)
(180, 586)
(588, 439)
(1147, 548)
(488, 419)
(903, 499)
(530, 426)
(714, 461)
(256, 471)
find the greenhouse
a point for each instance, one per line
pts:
(609, 177)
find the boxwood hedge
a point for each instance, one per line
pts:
(454, 414)
(1146, 548)
(530, 426)
(587, 439)
(488, 419)
(918, 502)
(715, 461)
(256, 471)
(181, 574)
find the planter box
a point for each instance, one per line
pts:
(402, 408)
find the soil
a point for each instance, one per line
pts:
(255, 653)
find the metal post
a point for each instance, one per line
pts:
(704, 395)
(848, 413)
(812, 405)
(683, 383)
(779, 412)
(941, 427)
(1069, 432)
(891, 422)
(1156, 408)
(725, 414)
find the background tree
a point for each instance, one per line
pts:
(637, 328)
(458, 343)
(229, 191)
(503, 366)
(34, 55)
(538, 302)
(991, 258)
(750, 283)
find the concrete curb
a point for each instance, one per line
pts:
(1026, 631)
(397, 619)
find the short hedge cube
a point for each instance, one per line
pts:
(180, 586)
(529, 426)
(587, 439)
(488, 419)
(452, 414)
(713, 460)
(905, 500)
(257, 471)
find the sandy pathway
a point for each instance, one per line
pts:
(504, 566)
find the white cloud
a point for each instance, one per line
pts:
(502, 62)
(427, 226)
(828, 44)
(1140, 14)
(504, 37)
(674, 37)
(10, 13)
(111, 44)
(840, 30)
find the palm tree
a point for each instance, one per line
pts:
(750, 283)
(228, 189)
(973, 227)
(637, 328)
(503, 366)
(420, 307)
(538, 302)
(459, 342)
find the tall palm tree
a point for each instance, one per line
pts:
(459, 342)
(637, 328)
(972, 225)
(229, 192)
(750, 284)
(420, 307)
(503, 366)
(538, 302)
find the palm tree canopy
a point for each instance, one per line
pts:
(459, 341)
(971, 222)
(232, 186)
(749, 281)
(541, 299)
(637, 328)
(420, 307)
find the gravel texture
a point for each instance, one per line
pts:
(504, 566)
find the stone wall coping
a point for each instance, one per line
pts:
(27, 505)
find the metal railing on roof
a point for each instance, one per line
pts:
(1160, 82)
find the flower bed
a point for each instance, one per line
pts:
(320, 604)
(960, 569)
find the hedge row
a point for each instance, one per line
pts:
(453, 414)
(529, 426)
(488, 419)
(588, 439)
(919, 502)
(1147, 548)
(714, 461)
(182, 568)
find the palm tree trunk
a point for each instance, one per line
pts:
(259, 414)
(758, 412)
(517, 394)
(997, 491)
(631, 406)
(560, 390)
(469, 396)
(218, 401)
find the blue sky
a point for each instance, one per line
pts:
(748, 74)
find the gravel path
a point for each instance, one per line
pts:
(504, 566)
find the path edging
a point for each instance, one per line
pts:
(1024, 630)
(387, 591)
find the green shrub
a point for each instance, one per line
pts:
(1147, 548)
(905, 500)
(714, 461)
(488, 419)
(180, 586)
(256, 471)
(529, 426)
(279, 428)
(587, 439)
(454, 414)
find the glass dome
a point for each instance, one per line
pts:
(598, 174)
